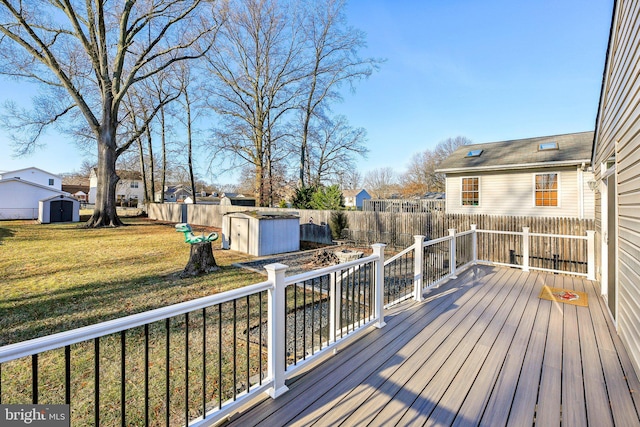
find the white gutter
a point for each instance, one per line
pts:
(516, 166)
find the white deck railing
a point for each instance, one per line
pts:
(307, 317)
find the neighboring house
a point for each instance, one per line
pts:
(173, 193)
(433, 195)
(129, 190)
(36, 176)
(21, 192)
(79, 192)
(616, 160)
(235, 199)
(545, 176)
(354, 198)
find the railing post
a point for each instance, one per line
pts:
(452, 253)
(378, 250)
(276, 318)
(525, 248)
(474, 243)
(417, 267)
(591, 255)
(334, 306)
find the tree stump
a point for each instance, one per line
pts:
(201, 260)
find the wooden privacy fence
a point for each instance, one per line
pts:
(396, 230)
(403, 205)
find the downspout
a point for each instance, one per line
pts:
(581, 191)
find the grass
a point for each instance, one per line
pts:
(62, 276)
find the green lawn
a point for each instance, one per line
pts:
(57, 277)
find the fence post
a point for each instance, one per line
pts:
(474, 243)
(525, 248)
(276, 318)
(452, 253)
(417, 267)
(378, 250)
(591, 255)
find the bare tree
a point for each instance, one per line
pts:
(192, 102)
(443, 150)
(332, 148)
(420, 176)
(381, 183)
(350, 179)
(90, 57)
(332, 47)
(256, 68)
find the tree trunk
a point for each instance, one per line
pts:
(190, 146)
(164, 154)
(152, 177)
(104, 213)
(201, 260)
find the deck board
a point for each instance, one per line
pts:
(421, 390)
(523, 406)
(621, 401)
(376, 354)
(501, 370)
(573, 400)
(373, 396)
(481, 349)
(595, 389)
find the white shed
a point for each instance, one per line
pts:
(261, 233)
(59, 209)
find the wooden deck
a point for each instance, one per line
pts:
(481, 350)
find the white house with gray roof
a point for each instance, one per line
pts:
(544, 176)
(22, 190)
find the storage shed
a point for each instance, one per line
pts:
(59, 209)
(261, 233)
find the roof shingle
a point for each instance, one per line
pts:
(519, 153)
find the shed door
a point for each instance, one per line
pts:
(240, 234)
(61, 211)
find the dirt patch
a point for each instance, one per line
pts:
(299, 262)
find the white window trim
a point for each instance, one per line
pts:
(533, 179)
(479, 192)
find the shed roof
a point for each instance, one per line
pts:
(60, 197)
(573, 149)
(266, 215)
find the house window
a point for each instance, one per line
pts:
(470, 191)
(546, 189)
(50, 181)
(134, 184)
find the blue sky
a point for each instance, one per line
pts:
(489, 70)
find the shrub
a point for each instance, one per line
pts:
(338, 223)
(302, 198)
(328, 198)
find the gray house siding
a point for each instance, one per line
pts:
(618, 134)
